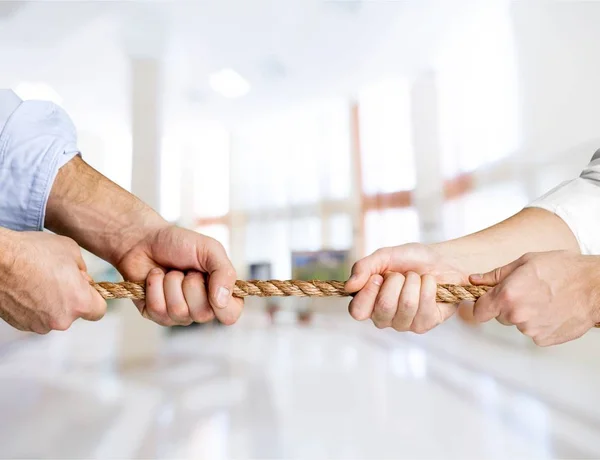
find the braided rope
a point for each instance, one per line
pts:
(448, 293)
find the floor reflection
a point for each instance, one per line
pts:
(331, 389)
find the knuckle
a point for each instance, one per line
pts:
(358, 312)
(70, 243)
(228, 320)
(411, 277)
(420, 329)
(179, 312)
(497, 274)
(194, 280)
(213, 245)
(515, 316)
(379, 324)
(508, 296)
(542, 342)
(99, 314)
(162, 320)
(528, 331)
(393, 277)
(400, 327)
(359, 266)
(380, 251)
(60, 324)
(385, 306)
(79, 303)
(203, 316)
(175, 275)
(373, 287)
(158, 315)
(40, 328)
(408, 306)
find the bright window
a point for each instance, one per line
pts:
(390, 227)
(385, 134)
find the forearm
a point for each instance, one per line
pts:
(531, 230)
(101, 216)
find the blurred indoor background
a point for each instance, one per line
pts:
(304, 134)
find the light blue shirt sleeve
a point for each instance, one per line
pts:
(36, 139)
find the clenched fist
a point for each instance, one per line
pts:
(396, 287)
(552, 297)
(45, 285)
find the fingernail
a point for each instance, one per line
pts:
(223, 297)
(477, 276)
(155, 271)
(352, 278)
(378, 280)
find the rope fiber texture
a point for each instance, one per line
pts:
(449, 293)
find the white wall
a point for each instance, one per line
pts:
(558, 46)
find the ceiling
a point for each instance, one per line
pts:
(289, 50)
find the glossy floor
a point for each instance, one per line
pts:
(331, 389)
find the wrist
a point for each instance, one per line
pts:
(97, 213)
(593, 274)
(139, 229)
(452, 254)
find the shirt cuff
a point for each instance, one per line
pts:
(38, 138)
(577, 203)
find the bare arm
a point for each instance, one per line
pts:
(531, 230)
(189, 277)
(396, 286)
(94, 211)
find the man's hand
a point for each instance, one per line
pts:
(45, 285)
(396, 287)
(552, 297)
(189, 277)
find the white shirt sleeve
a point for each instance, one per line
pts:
(36, 140)
(577, 202)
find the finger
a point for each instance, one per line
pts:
(177, 307)
(408, 303)
(156, 304)
(231, 313)
(502, 319)
(361, 306)
(221, 275)
(196, 297)
(376, 263)
(428, 313)
(496, 276)
(386, 302)
(95, 306)
(487, 307)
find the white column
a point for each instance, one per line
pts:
(146, 127)
(429, 191)
(141, 339)
(356, 184)
(237, 216)
(187, 213)
(557, 46)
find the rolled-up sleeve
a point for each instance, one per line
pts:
(36, 139)
(577, 202)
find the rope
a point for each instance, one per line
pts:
(448, 293)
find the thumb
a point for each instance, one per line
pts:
(221, 274)
(376, 263)
(494, 277)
